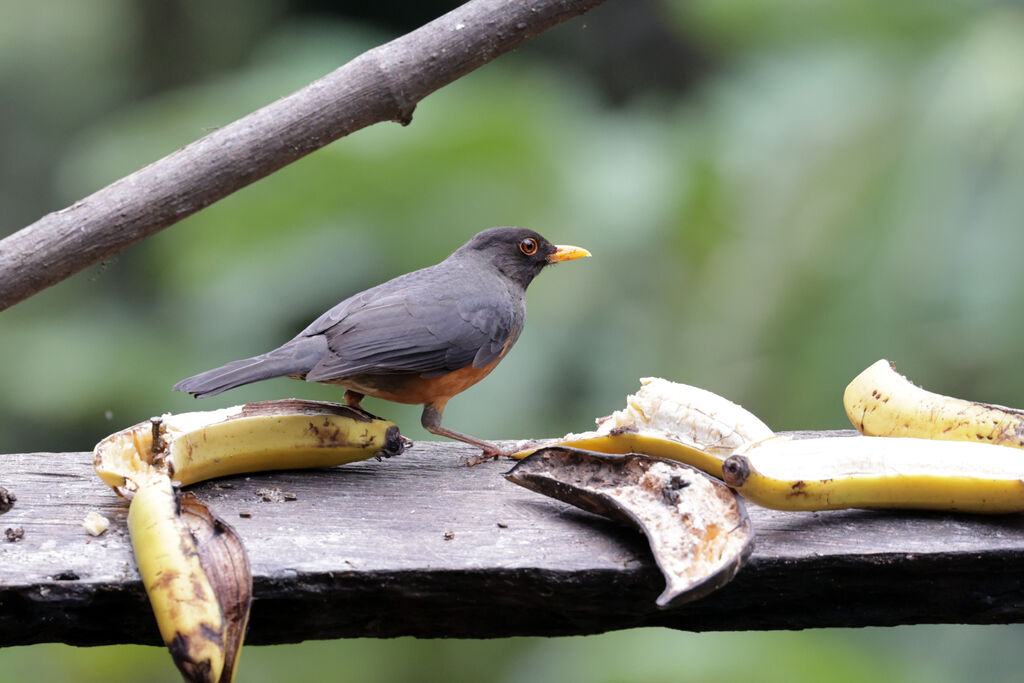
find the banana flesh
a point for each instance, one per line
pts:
(882, 402)
(192, 564)
(674, 421)
(877, 472)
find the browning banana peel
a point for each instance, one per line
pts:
(180, 593)
(697, 528)
(882, 402)
(674, 421)
(833, 473)
(226, 564)
(192, 564)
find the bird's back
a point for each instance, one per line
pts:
(430, 321)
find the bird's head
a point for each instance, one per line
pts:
(517, 253)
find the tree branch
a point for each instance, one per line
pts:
(383, 84)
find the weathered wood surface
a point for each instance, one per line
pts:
(418, 545)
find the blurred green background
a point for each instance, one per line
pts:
(776, 193)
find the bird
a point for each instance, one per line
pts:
(420, 338)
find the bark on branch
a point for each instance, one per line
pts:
(383, 84)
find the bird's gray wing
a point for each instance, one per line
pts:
(415, 329)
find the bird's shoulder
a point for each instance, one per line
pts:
(431, 322)
(422, 295)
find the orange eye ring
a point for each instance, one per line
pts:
(528, 246)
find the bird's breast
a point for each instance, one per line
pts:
(408, 387)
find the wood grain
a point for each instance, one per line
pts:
(419, 545)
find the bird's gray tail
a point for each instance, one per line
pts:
(294, 358)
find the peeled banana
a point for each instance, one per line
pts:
(832, 473)
(192, 564)
(671, 420)
(882, 402)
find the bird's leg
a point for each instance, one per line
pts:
(431, 421)
(353, 399)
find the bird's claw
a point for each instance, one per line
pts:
(484, 456)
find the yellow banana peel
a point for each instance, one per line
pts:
(192, 447)
(832, 473)
(180, 592)
(882, 402)
(193, 565)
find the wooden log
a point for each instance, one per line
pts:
(419, 545)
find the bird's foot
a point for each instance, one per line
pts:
(492, 453)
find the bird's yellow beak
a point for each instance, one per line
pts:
(565, 252)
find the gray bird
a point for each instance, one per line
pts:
(420, 338)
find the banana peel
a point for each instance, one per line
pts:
(698, 529)
(269, 435)
(193, 564)
(225, 562)
(882, 402)
(185, 584)
(673, 421)
(832, 473)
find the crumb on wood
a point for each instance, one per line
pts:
(449, 535)
(14, 535)
(271, 495)
(6, 500)
(95, 523)
(245, 513)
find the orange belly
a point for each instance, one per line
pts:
(411, 388)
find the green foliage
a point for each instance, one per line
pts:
(926, 654)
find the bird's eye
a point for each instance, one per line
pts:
(528, 246)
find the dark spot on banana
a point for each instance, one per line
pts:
(797, 488)
(673, 486)
(167, 577)
(735, 470)
(211, 634)
(180, 651)
(625, 429)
